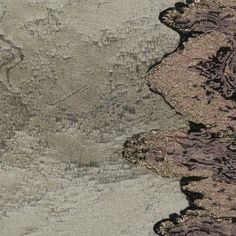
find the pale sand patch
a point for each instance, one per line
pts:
(82, 75)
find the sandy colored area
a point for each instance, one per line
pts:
(77, 68)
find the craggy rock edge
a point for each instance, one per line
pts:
(205, 162)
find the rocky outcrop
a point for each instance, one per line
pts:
(198, 80)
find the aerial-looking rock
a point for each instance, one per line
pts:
(199, 81)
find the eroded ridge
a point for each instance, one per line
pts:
(197, 92)
(206, 165)
(200, 154)
(202, 17)
(206, 18)
(193, 152)
(199, 81)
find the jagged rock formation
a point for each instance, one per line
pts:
(197, 226)
(199, 81)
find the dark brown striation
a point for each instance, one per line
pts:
(196, 226)
(220, 70)
(208, 164)
(203, 17)
(199, 81)
(195, 152)
(190, 95)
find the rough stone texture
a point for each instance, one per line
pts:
(221, 112)
(71, 91)
(220, 71)
(212, 55)
(219, 68)
(195, 152)
(197, 227)
(14, 115)
(198, 79)
(204, 17)
(207, 161)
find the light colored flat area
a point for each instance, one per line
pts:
(82, 75)
(87, 206)
(43, 195)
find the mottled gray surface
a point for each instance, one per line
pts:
(72, 90)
